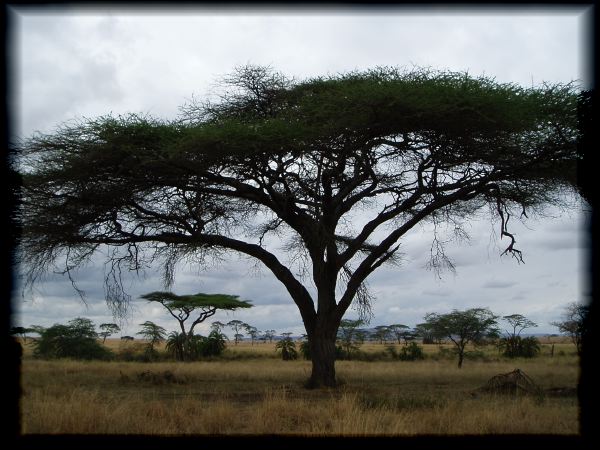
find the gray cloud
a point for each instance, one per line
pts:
(499, 284)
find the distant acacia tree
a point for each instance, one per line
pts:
(108, 329)
(348, 334)
(574, 323)
(512, 343)
(298, 158)
(400, 332)
(154, 334)
(237, 326)
(381, 333)
(475, 325)
(428, 333)
(252, 332)
(201, 306)
(269, 334)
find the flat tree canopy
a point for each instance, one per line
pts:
(339, 168)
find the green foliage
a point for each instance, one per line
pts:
(213, 345)
(188, 303)
(411, 352)
(408, 352)
(349, 337)
(575, 323)
(288, 348)
(193, 348)
(77, 339)
(518, 347)
(305, 349)
(153, 333)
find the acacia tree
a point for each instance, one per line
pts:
(574, 323)
(297, 159)
(154, 333)
(107, 330)
(512, 341)
(237, 326)
(181, 307)
(401, 331)
(475, 325)
(252, 332)
(348, 334)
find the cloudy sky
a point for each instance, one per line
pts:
(70, 63)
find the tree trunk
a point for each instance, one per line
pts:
(322, 352)
(460, 359)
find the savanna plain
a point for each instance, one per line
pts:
(251, 390)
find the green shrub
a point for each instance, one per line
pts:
(411, 352)
(518, 347)
(184, 348)
(77, 340)
(288, 349)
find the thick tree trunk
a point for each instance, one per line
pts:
(322, 351)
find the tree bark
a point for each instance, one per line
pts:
(322, 352)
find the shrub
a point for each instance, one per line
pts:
(514, 347)
(408, 352)
(213, 345)
(183, 348)
(77, 340)
(305, 350)
(288, 349)
(411, 352)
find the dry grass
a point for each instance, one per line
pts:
(266, 396)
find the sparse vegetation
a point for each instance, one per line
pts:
(251, 391)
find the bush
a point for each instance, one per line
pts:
(305, 350)
(77, 340)
(515, 347)
(411, 352)
(288, 349)
(198, 347)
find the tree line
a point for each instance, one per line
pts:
(475, 326)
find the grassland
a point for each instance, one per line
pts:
(251, 391)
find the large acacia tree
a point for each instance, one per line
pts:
(339, 169)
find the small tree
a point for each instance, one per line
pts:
(154, 334)
(108, 329)
(252, 332)
(574, 323)
(287, 347)
(181, 307)
(237, 326)
(269, 334)
(217, 326)
(512, 344)
(474, 325)
(381, 333)
(348, 335)
(428, 334)
(77, 339)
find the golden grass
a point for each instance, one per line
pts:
(266, 396)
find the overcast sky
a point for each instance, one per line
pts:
(69, 63)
